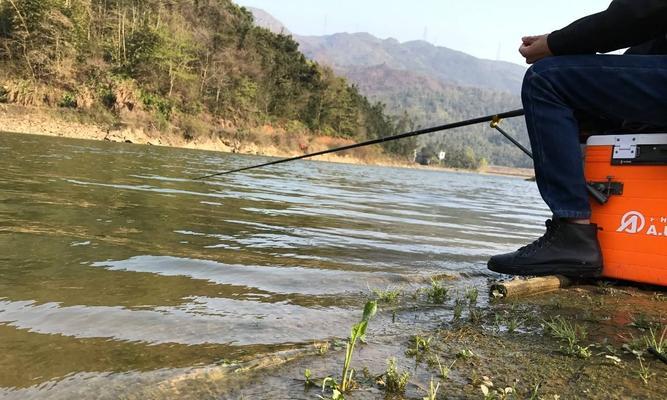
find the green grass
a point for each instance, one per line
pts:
(572, 334)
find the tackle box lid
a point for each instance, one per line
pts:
(623, 139)
(638, 149)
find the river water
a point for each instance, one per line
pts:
(116, 266)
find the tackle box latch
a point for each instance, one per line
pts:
(601, 191)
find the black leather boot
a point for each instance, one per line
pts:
(565, 249)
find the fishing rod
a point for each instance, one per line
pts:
(495, 119)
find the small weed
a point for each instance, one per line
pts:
(443, 369)
(432, 391)
(395, 382)
(644, 373)
(582, 352)
(4, 95)
(642, 322)
(108, 98)
(436, 294)
(68, 101)
(389, 296)
(465, 354)
(322, 348)
(336, 393)
(513, 324)
(418, 346)
(657, 344)
(571, 333)
(458, 309)
(475, 315)
(472, 295)
(535, 393)
(308, 374)
(606, 287)
(490, 393)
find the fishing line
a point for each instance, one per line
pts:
(460, 124)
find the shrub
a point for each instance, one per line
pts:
(68, 100)
(108, 98)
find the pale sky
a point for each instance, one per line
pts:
(483, 28)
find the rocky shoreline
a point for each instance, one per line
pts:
(63, 123)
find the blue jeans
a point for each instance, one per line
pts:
(631, 88)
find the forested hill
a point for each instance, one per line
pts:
(428, 102)
(177, 63)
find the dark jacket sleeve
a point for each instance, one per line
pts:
(624, 24)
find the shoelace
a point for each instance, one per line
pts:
(543, 241)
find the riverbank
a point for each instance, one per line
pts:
(265, 140)
(588, 341)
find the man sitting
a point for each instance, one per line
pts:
(569, 80)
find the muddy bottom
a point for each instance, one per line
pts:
(517, 349)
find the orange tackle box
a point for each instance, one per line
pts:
(632, 171)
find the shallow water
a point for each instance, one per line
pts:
(115, 266)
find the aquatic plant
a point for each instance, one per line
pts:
(358, 332)
(465, 354)
(444, 370)
(512, 324)
(322, 348)
(389, 296)
(472, 295)
(308, 374)
(458, 309)
(432, 391)
(394, 381)
(475, 315)
(418, 346)
(436, 294)
(336, 393)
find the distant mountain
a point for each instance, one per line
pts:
(344, 51)
(268, 21)
(432, 85)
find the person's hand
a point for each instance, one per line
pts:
(535, 48)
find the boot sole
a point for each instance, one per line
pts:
(569, 270)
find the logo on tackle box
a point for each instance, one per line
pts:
(636, 223)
